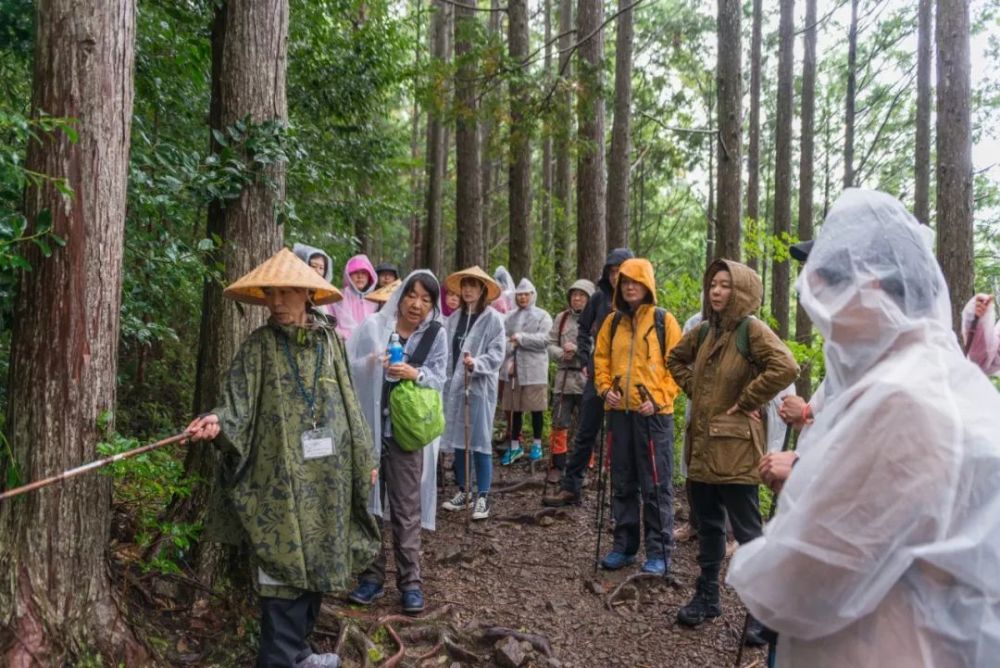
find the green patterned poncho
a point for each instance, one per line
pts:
(306, 520)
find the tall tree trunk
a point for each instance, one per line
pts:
(591, 235)
(519, 183)
(729, 88)
(619, 166)
(849, 100)
(922, 159)
(563, 178)
(249, 59)
(954, 152)
(469, 247)
(753, 147)
(803, 325)
(437, 147)
(783, 164)
(547, 164)
(487, 149)
(416, 178)
(55, 599)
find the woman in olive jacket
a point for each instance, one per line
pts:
(729, 367)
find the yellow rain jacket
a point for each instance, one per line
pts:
(635, 354)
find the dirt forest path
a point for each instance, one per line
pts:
(536, 575)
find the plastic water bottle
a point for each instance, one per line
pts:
(395, 354)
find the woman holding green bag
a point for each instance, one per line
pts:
(407, 484)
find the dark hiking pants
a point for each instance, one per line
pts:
(632, 461)
(284, 626)
(711, 504)
(587, 430)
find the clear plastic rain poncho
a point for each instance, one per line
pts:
(531, 325)
(984, 348)
(485, 342)
(505, 304)
(885, 550)
(366, 350)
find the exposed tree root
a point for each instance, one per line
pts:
(534, 517)
(629, 584)
(398, 656)
(539, 642)
(527, 483)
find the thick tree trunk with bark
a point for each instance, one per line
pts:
(562, 205)
(547, 165)
(416, 178)
(55, 598)
(753, 146)
(803, 325)
(729, 88)
(783, 164)
(619, 166)
(922, 159)
(437, 148)
(519, 184)
(487, 146)
(591, 235)
(469, 246)
(849, 99)
(249, 58)
(954, 153)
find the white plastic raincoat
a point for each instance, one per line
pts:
(531, 326)
(505, 304)
(885, 550)
(984, 349)
(365, 349)
(485, 342)
(304, 252)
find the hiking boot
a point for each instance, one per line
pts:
(563, 497)
(460, 501)
(482, 509)
(617, 560)
(684, 533)
(511, 456)
(366, 592)
(536, 451)
(412, 601)
(328, 660)
(654, 565)
(703, 605)
(756, 635)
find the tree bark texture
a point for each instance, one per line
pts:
(469, 246)
(437, 149)
(416, 178)
(591, 235)
(519, 183)
(547, 163)
(619, 165)
(753, 144)
(55, 598)
(729, 142)
(783, 165)
(562, 181)
(803, 325)
(488, 153)
(849, 99)
(954, 152)
(922, 159)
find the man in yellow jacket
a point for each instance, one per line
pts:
(630, 372)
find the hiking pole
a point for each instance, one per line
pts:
(92, 466)
(645, 395)
(602, 482)
(468, 450)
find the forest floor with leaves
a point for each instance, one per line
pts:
(517, 589)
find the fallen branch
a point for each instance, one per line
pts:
(539, 642)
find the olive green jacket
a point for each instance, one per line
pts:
(727, 449)
(306, 520)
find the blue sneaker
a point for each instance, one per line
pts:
(655, 565)
(413, 601)
(617, 560)
(511, 456)
(536, 452)
(366, 592)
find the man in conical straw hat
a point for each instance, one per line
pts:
(296, 466)
(477, 344)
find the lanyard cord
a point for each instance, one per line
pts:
(309, 397)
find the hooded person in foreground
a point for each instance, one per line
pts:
(885, 545)
(296, 459)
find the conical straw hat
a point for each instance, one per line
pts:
(454, 282)
(281, 270)
(382, 295)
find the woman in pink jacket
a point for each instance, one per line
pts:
(359, 280)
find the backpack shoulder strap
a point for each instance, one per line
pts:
(702, 332)
(562, 323)
(424, 347)
(660, 322)
(616, 320)
(743, 339)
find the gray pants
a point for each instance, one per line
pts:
(636, 443)
(400, 477)
(562, 412)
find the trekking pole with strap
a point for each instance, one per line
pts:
(468, 450)
(603, 479)
(557, 413)
(651, 450)
(92, 466)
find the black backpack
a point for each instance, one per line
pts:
(659, 324)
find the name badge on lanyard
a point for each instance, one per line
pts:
(317, 443)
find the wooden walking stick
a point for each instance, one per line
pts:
(468, 451)
(92, 466)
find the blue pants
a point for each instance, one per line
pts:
(483, 465)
